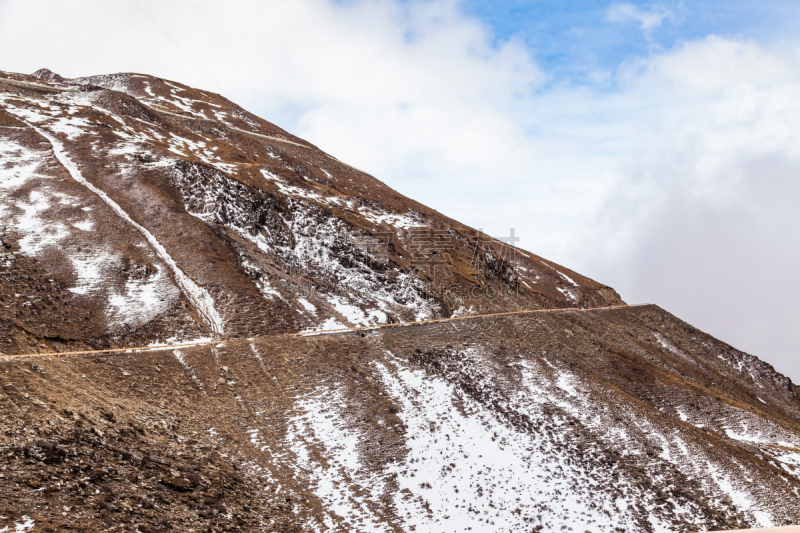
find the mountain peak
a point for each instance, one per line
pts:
(47, 75)
(207, 199)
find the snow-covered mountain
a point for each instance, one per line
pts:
(135, 210)
(165, 212)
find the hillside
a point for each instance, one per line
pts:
(136, 211)
(164, 212)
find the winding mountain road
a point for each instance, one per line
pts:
(309, 333)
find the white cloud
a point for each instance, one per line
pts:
(647, 19)
(652, 155)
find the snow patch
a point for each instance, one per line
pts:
(338, 481)
(569, 279)
(86, 225)
(466, 468)
(27, 524)
(142, 299)
(354, 314)
(407, 221)
(88, 269)
(331, 324)
(308, 306)
(568, 293)
(39, 232)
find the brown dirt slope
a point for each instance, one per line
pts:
(615, 406)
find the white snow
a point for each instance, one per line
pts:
(569, 279)
(565, 383)
(88, 269)
(18, 167)
(406, 221)
(142, 299)
(559, 388)
(86, 225)
(320, 430)
(471, 469)
(72, 127)
(39, 232)
(792, 460)
(462, 311)
(568, 293)
(291, 190)
(670, 347)
(354, 314)
(308, 306)
(42, 226)
(464, 468)
(199, 297)
(739, 497)
(26, 524)
(263, 284)
(185, 147)
(54, 117)
(317, 249)
(331, 324)
(266, 289)
(18, 164)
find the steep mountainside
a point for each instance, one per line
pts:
(134, 210)
(140, 210)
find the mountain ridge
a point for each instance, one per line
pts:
(267, 180)
(135, 211)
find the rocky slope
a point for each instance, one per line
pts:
(134, 210)
(164, 212)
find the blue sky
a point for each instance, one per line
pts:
(568, 39)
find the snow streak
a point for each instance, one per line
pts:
(197, 295)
